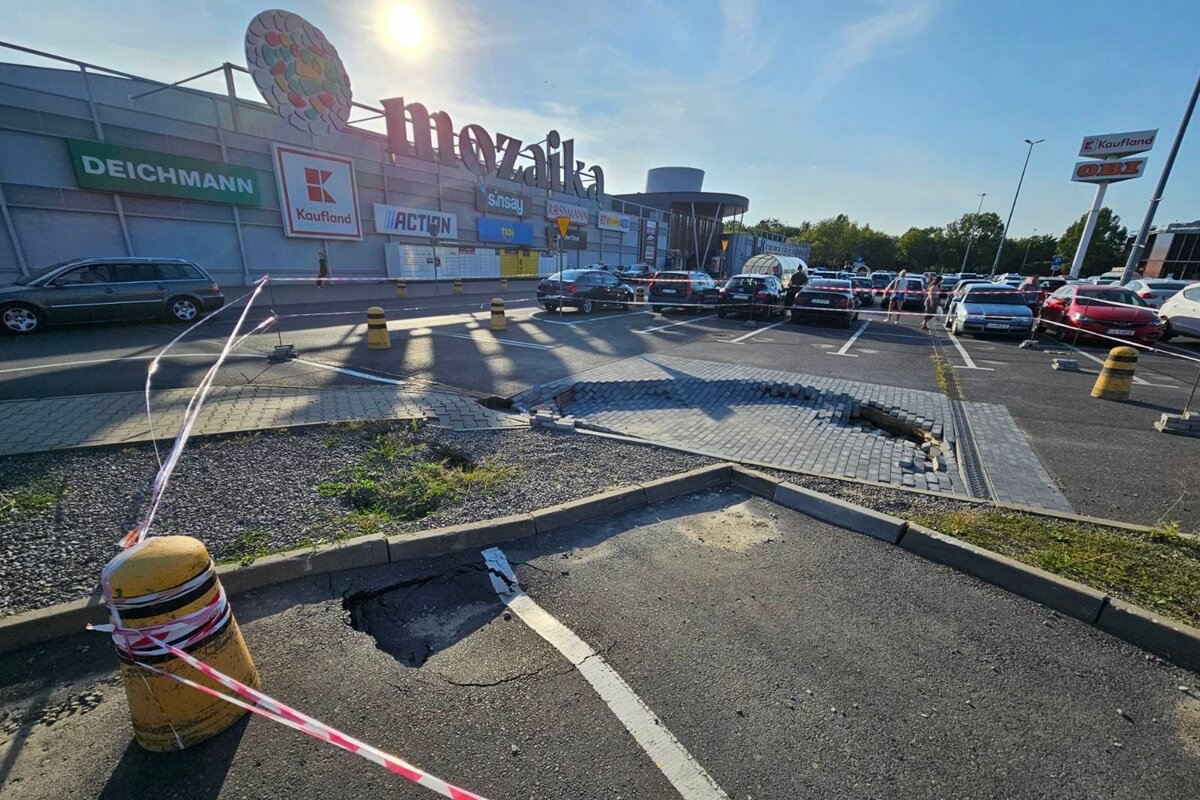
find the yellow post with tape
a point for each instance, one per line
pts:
(401, 289)
(458, 285)
(166, 588)
(377, 330)
(639, 295)
(498, 322)
(1116, 378)
(504, 284)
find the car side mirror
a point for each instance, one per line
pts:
(59, 282)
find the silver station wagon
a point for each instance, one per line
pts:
(106, 290)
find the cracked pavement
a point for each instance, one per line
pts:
(791, 659)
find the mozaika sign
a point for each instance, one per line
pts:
(112, 168)
(411, 130)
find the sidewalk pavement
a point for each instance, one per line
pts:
(59, 423)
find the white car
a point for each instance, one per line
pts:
(1155, 291)
(1181, 313)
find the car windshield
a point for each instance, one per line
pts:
(1170, 286)
(861, 283)
(745, 282)
(28, 279)
(992, 296)
(1093, 297)
(566, 275)
(827, 283)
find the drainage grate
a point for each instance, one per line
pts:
(969, 461)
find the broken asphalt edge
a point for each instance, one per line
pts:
(1172, 641)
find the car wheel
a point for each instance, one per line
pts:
(550, 306)
(721, 313)
(656, 309)
(587, 306)
(20, 320)
(1167, 333)
(183, 309)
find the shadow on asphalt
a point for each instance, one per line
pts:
(197, 773)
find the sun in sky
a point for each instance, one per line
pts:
(406, 26)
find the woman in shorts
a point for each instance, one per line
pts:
(896, 298)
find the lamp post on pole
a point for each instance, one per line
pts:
(974, 225)
(1003, 236)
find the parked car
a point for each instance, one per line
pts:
(753, 295)
(991, 308)
(108, 289)
(914, 293)
(959, 290)
(691, 291)
(1010, 278)
(880, 279)
(1112, 311)
(827, 301)
(1051, 284)
(1180, 313)
(864, 290)
(584, 289)
(1154, 291)
(636, 273)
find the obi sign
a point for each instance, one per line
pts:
(318, 196)
(1108, 171)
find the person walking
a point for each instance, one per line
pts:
(933, 297)
(897, 292)
(322, 268)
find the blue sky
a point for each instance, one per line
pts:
(896, 112)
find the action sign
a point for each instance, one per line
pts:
(1117, 145)
(1108, 171)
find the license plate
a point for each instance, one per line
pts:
(670, 291)
(1119, 332)
(817, 302)
(997, 326)
(740, 296)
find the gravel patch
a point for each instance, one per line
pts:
(255, 492)
(896, 502)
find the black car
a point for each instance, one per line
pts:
(864, 290)
(752, 295)
(826, 301)
(584, 289)
(636, 273)
(687, 290)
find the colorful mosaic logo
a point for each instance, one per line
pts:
(298, 71)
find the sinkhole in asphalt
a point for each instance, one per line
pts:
(414, 619)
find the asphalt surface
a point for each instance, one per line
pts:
(789, 658)
(1106, 457)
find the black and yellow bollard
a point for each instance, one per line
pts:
(401, 289)
(1116, 379)
(166, 589)
(639, 295)
(458, 285)
(504, 284)
(377, 330)
(498, 323)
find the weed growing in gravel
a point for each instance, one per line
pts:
(1159, 570)
(251, 544)
(400, 480)
(41, 492)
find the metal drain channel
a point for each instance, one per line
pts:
(970, 464)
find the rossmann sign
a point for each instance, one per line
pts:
(413, 132)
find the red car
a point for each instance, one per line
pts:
(1099, 311)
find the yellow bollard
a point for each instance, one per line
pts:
(1116, 379)
(168, 588)
(377, 330)
(458, 285)
(504, 284)
(639, 295)
(498, 322)
(401, 289)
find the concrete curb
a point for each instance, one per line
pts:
(755, 482)
(1173, 641)
(362, 551)
(839, 512)
(1075, 599)
(576, 511)
(696, 480)
(455, 539)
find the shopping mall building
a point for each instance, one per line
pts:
(99, 163)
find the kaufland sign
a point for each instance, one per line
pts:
(1117, 145)
(318, 195)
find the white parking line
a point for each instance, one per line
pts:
(970, 363)
(675, 324)
(675, 762)
(756, 332)
(84, 362)
(351, 372)
(851, 341)
(487, 338)
(1136, 379)
(585, 320)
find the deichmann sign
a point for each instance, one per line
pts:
(318, 196)
(499, 230)
(112, 168)
(1108, 171)
(499, 201)
(414, 221)
(577, 214)
(615, 222)
(1116, 145)
(410, 133)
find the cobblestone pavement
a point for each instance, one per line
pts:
(28, 426)
(752, 414)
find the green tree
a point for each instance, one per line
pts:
(1040, 251)
(876, 248)
(834, 240)
(1106, 248)
(982, 232)
(920, 249)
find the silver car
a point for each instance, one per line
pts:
(108, 289)
(990, 308)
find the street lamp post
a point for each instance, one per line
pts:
(974, 225)
(1025, 260)
(1003, 236)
